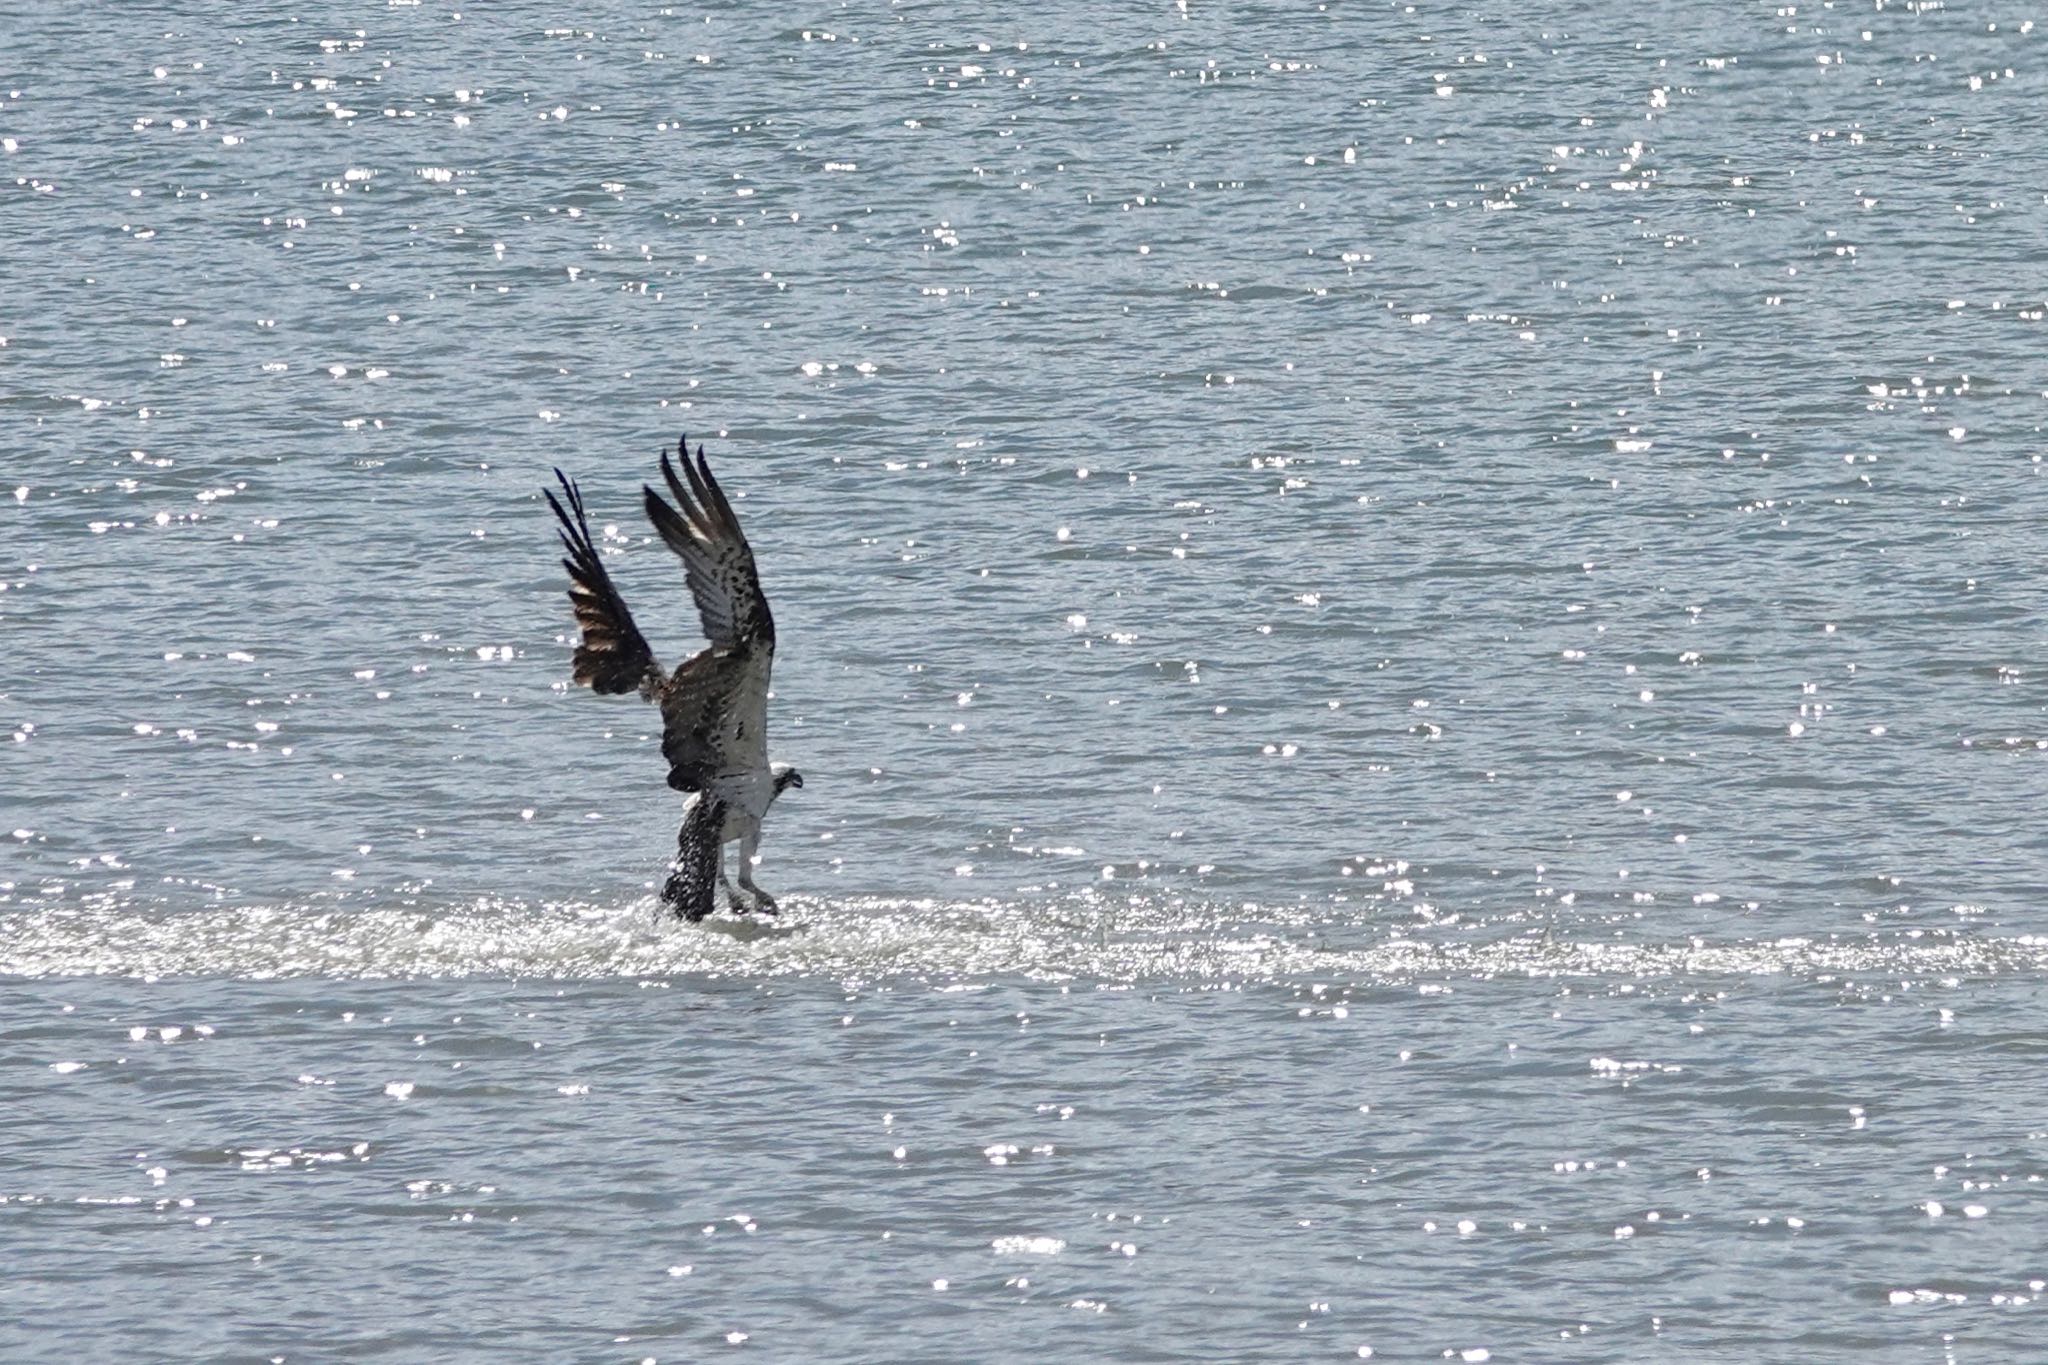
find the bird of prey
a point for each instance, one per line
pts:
(714, 707)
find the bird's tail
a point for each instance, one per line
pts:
(691, 888)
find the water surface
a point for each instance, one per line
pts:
(1415, 636)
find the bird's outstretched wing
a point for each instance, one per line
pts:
(714, 715)
(704, 533)
(693, 881)
(614, 656)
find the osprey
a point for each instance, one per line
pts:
(714, 707)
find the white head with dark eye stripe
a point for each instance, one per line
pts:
(786, 776)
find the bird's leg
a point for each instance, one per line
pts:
(763, 903)
(732, 897)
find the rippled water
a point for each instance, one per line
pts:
(1416, 637)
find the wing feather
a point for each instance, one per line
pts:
(718, 562)
(613, 655)
(713, 714)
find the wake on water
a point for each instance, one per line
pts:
(1085, 937)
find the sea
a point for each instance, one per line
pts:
(1417, 634)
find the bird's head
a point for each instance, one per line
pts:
(786, 776)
